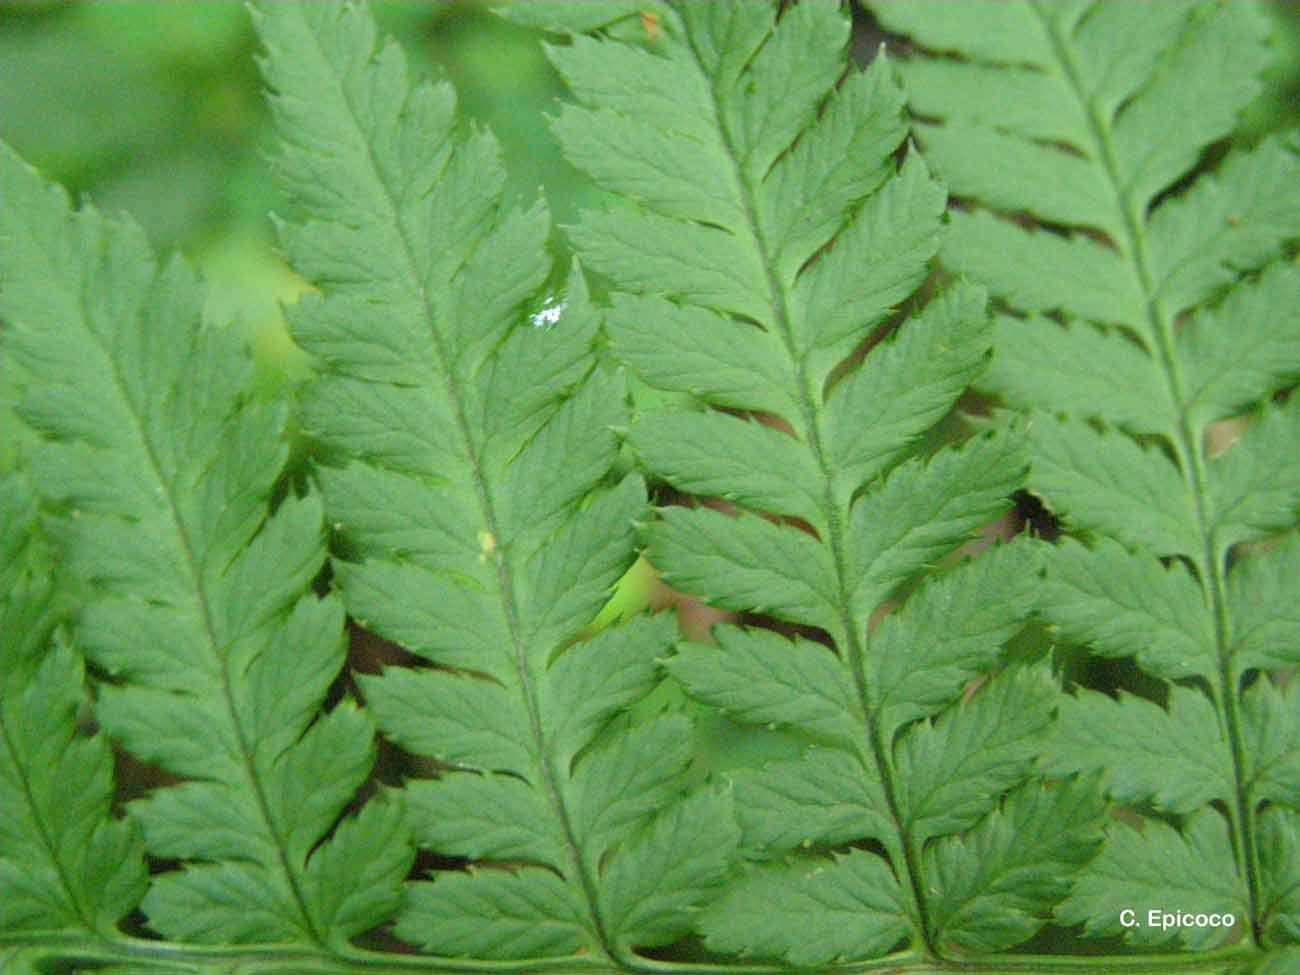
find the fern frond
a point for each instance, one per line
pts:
(765, 233)
(1176, 306)
(467, 456)
(201, 612)
(175, 597)
(66, 864)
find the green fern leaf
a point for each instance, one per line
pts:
(65, 863)
(1262, 604)
(1022, 855)
(1271, 721)
(952, 770)
(1121, 604)
(1161, 869)
(850, 906)
(1120, 258)
(766, 232)
(467, 465)
(201, 607)
(1169, 758)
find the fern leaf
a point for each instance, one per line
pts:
(1077, 370)
(1148, 256)
(466, 463)
(711, 454)
(950, 634)
(915, 379)
(1040, 271)
(848, 907)
(760, 678)
(748, 563)
(1263, 607)
(1161, 869)
(1023, 855)
(1121, 604)
(1114, 486)
(1255, 487)
(784, 237)
(1231, 352)
(201, 605)
(498, 914)
(1167, 757)
(952, 769)
(835, 798)
(688, 349)
(654, 881)
(65, 863)
(925, 510)
(1271, 720)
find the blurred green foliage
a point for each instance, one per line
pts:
(1278, 106)
(155, 108)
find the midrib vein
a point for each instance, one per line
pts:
(1192, 463)
(487, 509)
(853, 629)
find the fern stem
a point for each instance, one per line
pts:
(855, 651)
(487, 510)
(1190, 450)
(283, 959)
(162, 956)
(1181, 964)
